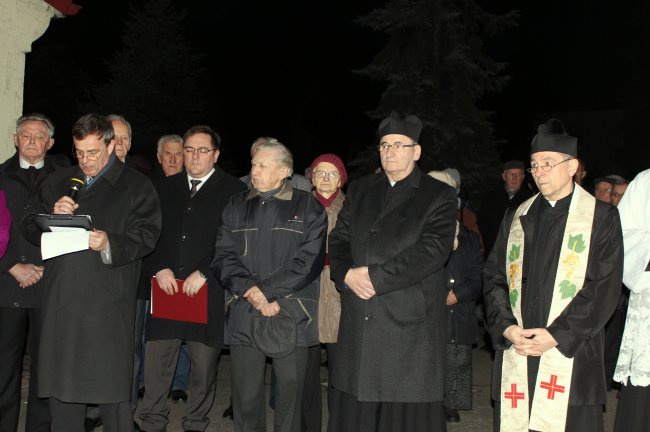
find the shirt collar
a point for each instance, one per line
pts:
(24, 164)
(203, 179)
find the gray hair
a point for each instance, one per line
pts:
(283, 155)
(168, 138)
(35, 117)
(116, 117)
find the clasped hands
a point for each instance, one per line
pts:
(530, 342)
(258, 300)
(358, 279)
(97, 240)
(191, 286)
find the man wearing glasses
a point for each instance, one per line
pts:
(191, 203)
(387, 255)
(551, 284)
(88, 306)
(21, 270)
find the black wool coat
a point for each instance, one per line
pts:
(493, 209)
(579, 329)
(22, 198)
(391, 348)
(186, 244)
(88, 307)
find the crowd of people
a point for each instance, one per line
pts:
(386, 277)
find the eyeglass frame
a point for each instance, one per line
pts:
(328, 174)
(384, 147)
(547, 168)
(92, 158)
(201, 150)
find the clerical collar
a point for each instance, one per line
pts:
(203, 179)
(412, 178)
(561, 204)
(25, 165)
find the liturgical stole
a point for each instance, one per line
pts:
(553, 384)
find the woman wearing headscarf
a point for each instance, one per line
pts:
(328, 176)
(463, 274)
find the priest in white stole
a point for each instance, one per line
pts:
(551, 283)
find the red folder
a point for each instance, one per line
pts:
(179, 306)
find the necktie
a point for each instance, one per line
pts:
(195, 183)
(89, 180)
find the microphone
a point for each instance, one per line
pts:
(75, 187)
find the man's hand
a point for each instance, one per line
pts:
(256, 297)
(523, 345)
(359, 282)
(167, 281)
(270, 309)
(26, 274)
(193, 283)
(545, 341)
(65, 205)
(98, 240)
(451, 298)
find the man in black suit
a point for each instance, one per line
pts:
(192, 203)
(20, 272)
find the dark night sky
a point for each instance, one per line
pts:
(284, 69)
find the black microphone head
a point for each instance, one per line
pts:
(75, 187)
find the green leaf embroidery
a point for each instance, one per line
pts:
(576, 243)
(567, 289)
(515, 251)
(514, 294)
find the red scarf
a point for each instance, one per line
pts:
(326, 201)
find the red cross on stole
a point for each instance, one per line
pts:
(513, 395)
(552, 387)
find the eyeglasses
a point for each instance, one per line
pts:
(384, 147)
(91, 155)
(202, 150)
(329, 174)
(547, 167)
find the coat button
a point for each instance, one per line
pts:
(181, 268)
(188, 209)
(23, 259)
(373, 231)
(183, 237)
(16, 304)
(368, 317)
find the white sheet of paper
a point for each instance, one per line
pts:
(63, 240)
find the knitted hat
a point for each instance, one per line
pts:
(334, 160)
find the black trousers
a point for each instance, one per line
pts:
(312, 404)
(14, 324)
(161, 357)
(633, 414)
(248, 366)
(69, 417)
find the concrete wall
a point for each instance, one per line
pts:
(21, 23)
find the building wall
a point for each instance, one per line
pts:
(21, 23)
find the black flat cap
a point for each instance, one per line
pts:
(513, 164)
(551, 142)
(275, 336)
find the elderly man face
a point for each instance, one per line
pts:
(326, 179)
(557, 182)
(603, 191)
(617, 193)
(171, 157)
(266, 173)
(398, 154)
(200, 156)
(122, 139)
(513, 178)
(33, 140)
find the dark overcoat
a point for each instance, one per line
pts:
(392, 347)
(276, 243)
(186, 244)
(88, 308)
(22, 198)
(579, 328)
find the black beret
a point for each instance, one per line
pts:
(408, 125)
(275, 336)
